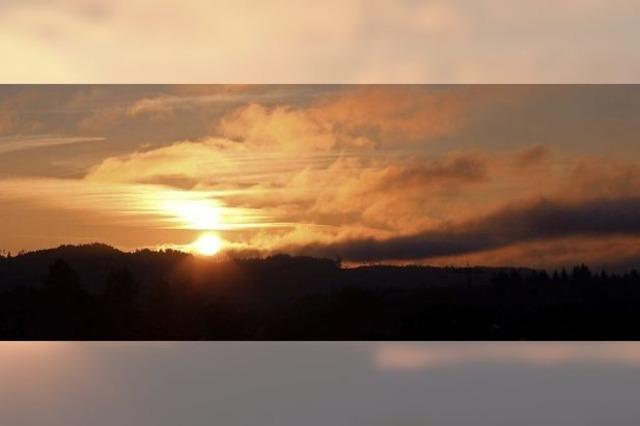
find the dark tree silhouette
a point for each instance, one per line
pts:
(62, 278)
(120, 304)
(64, 309)
(168, 295)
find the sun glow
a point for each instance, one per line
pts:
(207, 245)
(196, 214)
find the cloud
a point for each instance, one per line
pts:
(6, 122)
(613, 253)
(398, 112)
(159, 105)
(141, 205)
(544, 219)
(320, 160)
(401, 113)
(19, 143)
(283, 128)
(307, 166)
(602, 176)
(183, 160)
(531, 157)
(157, 108)
(301, 185)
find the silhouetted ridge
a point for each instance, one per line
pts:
(98, 292)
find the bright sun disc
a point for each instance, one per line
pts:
(207, 245)
(195, 214)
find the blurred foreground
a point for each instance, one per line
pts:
(306, 383)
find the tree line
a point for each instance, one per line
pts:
(298, 298)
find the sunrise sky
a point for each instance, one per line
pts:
(527, 175)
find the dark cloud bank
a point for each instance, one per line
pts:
(540, 220)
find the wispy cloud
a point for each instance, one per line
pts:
(148, 206)
(19, 143)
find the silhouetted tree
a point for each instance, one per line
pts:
(61, 278)
(65, 309)
(121, 304)
(289, 297)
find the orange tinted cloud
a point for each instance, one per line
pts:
(399, 112)
(613, 252)
(192, 161)
(286, 129)
(306, 157)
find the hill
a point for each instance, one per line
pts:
(98, 292)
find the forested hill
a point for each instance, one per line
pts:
(93, 263)
(97, 292)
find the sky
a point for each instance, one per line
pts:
(534, 175)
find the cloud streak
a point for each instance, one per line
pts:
(20, 143)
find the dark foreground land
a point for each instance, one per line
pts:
(95, 292)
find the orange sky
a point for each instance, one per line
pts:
(532, 175)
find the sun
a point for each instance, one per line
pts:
(195, 214)
(207, 245)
